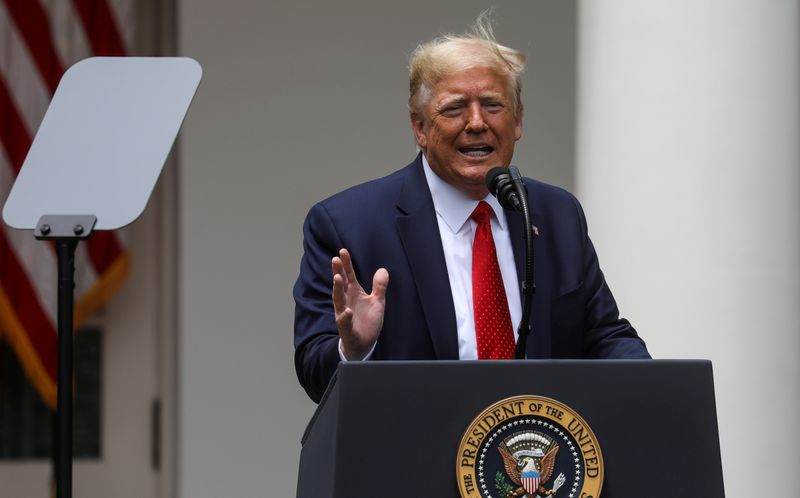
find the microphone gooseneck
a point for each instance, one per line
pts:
(507, 186)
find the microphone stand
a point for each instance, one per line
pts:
(528, 284)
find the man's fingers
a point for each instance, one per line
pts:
(379, 283)
(339, 295)
(344, 321)
(347, 265)
(337, 267)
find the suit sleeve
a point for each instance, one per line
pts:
(316, 338)
(606, 334)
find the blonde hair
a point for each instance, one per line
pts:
(449, 53)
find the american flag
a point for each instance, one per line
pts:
(39, 40)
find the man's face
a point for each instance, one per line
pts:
(467, 127)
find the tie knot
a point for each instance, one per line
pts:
(482, 213)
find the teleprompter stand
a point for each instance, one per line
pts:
(92, 166)
(65, 231)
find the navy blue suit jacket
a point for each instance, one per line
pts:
(391, 223)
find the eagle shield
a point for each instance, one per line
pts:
(530, 481)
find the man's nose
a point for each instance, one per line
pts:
(475, 122)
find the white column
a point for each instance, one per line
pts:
(689, 170)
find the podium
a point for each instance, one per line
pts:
(393, 429)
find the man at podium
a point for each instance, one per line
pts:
(426, 264)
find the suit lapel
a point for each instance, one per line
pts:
(419, 233)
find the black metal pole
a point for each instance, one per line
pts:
(66, 290)
(529, 282)
(65, 230)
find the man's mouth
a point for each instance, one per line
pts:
(476, 150)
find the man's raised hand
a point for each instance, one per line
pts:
(359, 316)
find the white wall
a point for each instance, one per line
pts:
(299, 100)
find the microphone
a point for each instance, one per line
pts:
(510, 190)
(500, 183)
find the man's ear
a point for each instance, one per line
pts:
(518, 127)
(418, 127)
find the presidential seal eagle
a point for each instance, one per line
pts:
(529, 459)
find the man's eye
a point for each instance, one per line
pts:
(451, 111)
(493, 106)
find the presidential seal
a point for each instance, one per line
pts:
(529, 447)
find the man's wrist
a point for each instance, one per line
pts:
(365, 357)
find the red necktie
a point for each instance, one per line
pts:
(493, 330)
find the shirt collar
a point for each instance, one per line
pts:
(453, 205)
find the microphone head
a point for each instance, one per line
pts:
(492, 180)
(501, 185)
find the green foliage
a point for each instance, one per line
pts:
(504, 489)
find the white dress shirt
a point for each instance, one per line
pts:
(457, 230)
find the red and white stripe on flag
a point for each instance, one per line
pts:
(39, 40)
(531, 484)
